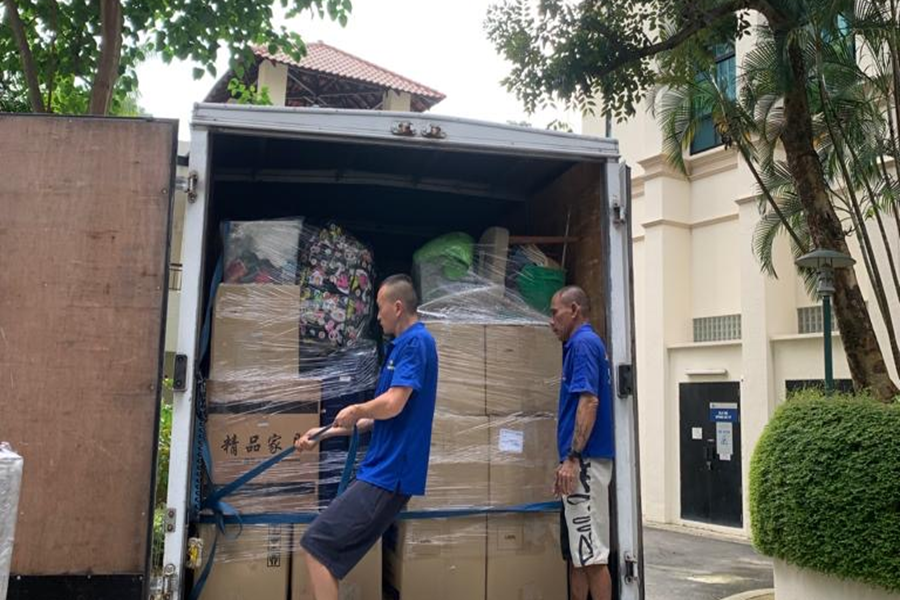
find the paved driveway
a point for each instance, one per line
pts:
(681, 566)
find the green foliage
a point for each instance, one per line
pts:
(159, 539)
(163, 453)
(573, 51)
(248, 94)
(825, 487)
(64, 38)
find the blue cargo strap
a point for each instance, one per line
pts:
(448, 513)
(206, 331)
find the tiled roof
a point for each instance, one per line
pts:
(328, 59)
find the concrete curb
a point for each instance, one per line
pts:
(751, 595)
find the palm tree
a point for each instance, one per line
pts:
(853, 104)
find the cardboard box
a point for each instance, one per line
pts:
(362, 583)
(275, 498)
(523, 459)
(269, 395)
(254, 565)
(461, 383)
(240, 441)
(523, 366)
(524, 559)
(438, 559)
(256, 332)
(458, 465)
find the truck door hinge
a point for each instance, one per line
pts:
(625, 381)
(169, 583)
(403, 129)
(619, 214)
(434, 132)
(188, 185)
(169, 519)
(631, 568)
(179, 376)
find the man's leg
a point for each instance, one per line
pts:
(586, 527)
(324, 584)
(599, 582)
(578, 583)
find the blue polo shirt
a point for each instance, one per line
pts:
(397, 459)
(585, 369)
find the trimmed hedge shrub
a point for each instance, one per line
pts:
(825, 487)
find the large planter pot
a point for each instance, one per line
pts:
(795, 583)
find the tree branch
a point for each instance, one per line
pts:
(51, 75)
(699, 22)
(111, 21)
(28, 66)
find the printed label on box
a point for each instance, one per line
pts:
(512, 441)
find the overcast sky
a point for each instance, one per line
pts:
(440, 43)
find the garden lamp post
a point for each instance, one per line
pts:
(825, 262)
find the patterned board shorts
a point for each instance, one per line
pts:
(584, 520)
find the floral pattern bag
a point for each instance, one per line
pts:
(338, 289)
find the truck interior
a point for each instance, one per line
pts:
(395, 198)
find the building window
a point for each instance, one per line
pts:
(706, 136)
(717, 329)
(810, 320)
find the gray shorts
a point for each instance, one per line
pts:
(584, 520)
(354, 521)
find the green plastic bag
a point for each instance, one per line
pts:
(454, 253)
(538, 284)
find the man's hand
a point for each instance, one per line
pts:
(348, 417)
(566, 478)
(305, 442)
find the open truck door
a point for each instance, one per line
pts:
(84, 227)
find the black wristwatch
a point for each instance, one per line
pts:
(574, 454)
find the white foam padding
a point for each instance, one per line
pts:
(10, 488)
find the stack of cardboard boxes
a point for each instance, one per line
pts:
(493, 445)
(258, 403)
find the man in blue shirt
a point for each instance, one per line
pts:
(585, 445)
(396, 464)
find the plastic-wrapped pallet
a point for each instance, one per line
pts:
(290, 345)
(494, 431)
(10, 488)
(493, 434)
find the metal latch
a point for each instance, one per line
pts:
(179, 377)
(188, 185)
(195, 553)
(625, 381)
(631, 569)
(403, 128)
(169, 583)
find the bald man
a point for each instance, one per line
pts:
(585, 445)
(396, 464)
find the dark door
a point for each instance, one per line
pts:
(710, 442)
(84, 228)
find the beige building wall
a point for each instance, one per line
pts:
(273, 76)
(693, 258)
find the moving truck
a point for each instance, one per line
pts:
(85, 230)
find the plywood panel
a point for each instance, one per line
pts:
(579, 190)
(83, 231)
